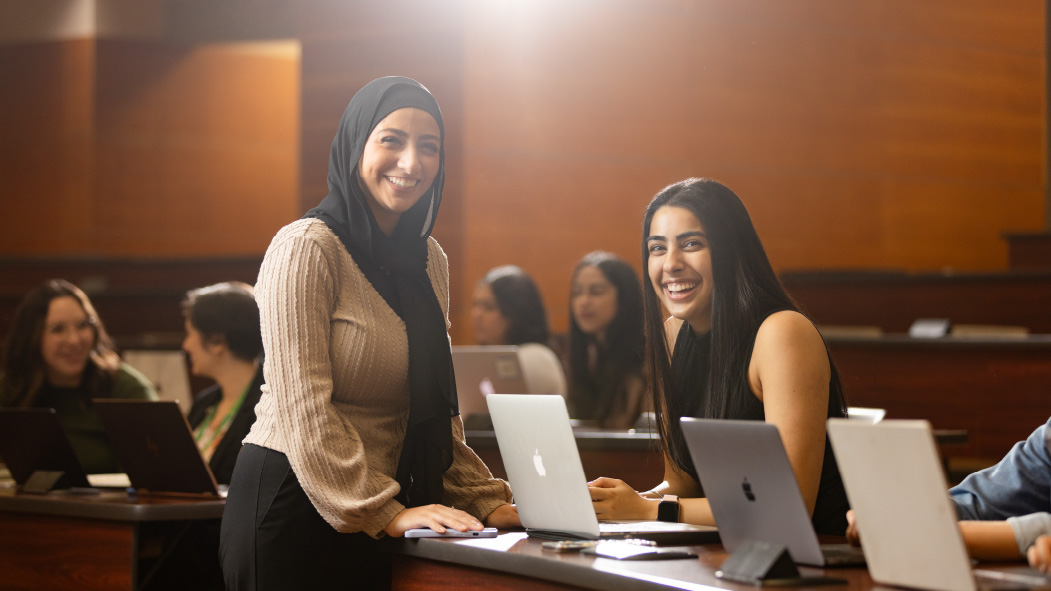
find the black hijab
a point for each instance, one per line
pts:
(397, 267)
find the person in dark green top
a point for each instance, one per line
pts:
(58, 355)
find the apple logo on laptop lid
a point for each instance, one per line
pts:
(538, 462)
(747, 488)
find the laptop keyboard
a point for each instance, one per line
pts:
(1015, 578)
(842, 554)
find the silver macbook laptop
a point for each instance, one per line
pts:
(481, 371)
(547, 478)
(154, 444)
(907, 523)
(753, 491)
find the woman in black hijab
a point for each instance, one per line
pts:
(358, 435)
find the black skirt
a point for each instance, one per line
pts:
(273, 538)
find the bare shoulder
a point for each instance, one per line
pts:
(788, 350)
(788, 328)
(789, 340)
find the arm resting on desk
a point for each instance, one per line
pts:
(614, 499)
(989, 540)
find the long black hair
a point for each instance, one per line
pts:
(745, 291)
(519, 301)
(598, 391)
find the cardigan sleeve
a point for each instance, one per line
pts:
(297, 293)
(469, 485)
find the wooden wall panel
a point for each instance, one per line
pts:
(144, 149)
(46, 146)
(197, 147)
(867, 134)
(874, 134)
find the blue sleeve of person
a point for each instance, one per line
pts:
(1020, 484)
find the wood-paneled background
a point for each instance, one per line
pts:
(869, 134)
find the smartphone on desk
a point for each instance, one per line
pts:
(426, 532)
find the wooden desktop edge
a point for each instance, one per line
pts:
(115, 506)
(577, 571)
(901, 340)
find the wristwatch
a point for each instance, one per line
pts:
(668, 509)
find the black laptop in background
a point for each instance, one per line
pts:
(32, 441)
(155, 446)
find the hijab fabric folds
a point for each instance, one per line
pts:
(396, 266)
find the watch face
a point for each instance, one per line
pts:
(668, 511)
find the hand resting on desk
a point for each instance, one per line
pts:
(440, 517)
(436, 517)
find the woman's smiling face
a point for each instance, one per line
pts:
(69, 336)
(679, 265)
(401, 158)
(593, 301)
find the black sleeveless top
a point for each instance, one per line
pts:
(687, 399)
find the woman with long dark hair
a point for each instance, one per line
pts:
(606, 342)
(735, 347)
(58, 355)
(357, 434)
(506, 309)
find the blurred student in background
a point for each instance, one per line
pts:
(59, 356)
(223, 343)
(606, 342)
(507, 310)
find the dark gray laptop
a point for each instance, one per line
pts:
(31, 440)
(753, 491)
(154, 444)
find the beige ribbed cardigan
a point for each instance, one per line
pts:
(336, 398)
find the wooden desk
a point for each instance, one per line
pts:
(105, 541)
(995, 389)
(894, 300)
(514, 562)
